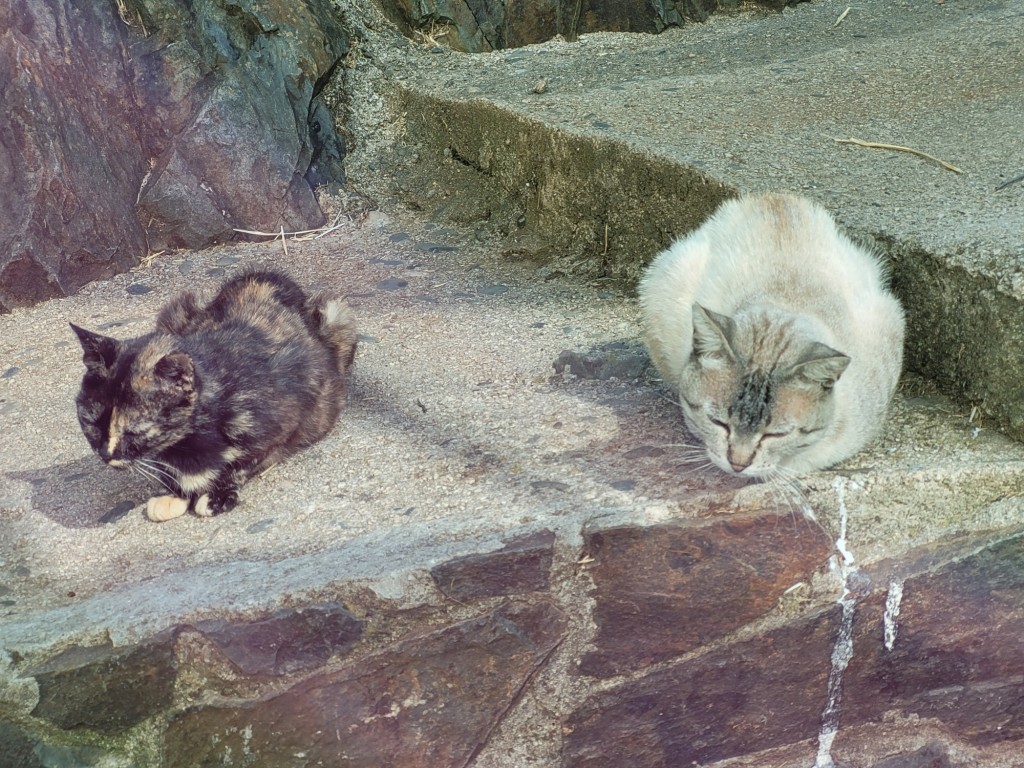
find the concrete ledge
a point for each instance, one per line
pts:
(632, 140)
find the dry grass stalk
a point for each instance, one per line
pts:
(897, 148)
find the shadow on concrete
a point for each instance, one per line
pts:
(84, 493)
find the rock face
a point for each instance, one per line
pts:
(70, 154)
(487, 25)
(170, 126)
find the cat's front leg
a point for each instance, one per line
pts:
(223, 494)
(162, 508)
(221, 499)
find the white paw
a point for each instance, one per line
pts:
(202, 507)
(161, 508)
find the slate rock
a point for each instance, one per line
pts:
(735, 700)
(107, 689)
(287, 641)
(666, 590)
(70, 151)
(485, 25)
(171, 126)
(522, 565)
(233, 103)
(18, 747)
(931, 755)
(21, 749)
(427, 701)
(956, 657)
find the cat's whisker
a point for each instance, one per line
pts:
(146, 472)
(160, 467)
(788, 485)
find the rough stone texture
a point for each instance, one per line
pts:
(107, 689)
(286, 642)
(20, 749)
(170, 126)
(957, 652)
(663, 591)
(70, 159)
(232, 92)
(426, 702)
(485, 25)
(615, 360)
(738, 699)
(522, 565)
(931, 755)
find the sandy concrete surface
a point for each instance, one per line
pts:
(457, 432)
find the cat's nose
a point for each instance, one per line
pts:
(738, 464)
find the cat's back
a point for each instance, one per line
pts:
(267, 299)
(776, 249)
(774, 243)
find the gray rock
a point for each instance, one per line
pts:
(617, 359)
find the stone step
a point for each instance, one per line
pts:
(595, 154)
(487, 561)
(492, 563)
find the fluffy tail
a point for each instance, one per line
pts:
(336, 325)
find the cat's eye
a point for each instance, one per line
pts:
(720, 423)
(777, 434)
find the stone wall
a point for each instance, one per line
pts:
(669, 645)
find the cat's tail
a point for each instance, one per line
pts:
(336, 325)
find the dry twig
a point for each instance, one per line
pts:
(897, 148)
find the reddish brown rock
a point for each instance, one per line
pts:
(131, 127)
(663, 591)
(522, 565)
(425, 702)
(736, 700)
(958, 654)
(288, 641)
(70, 153)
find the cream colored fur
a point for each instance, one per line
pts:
(779, 261)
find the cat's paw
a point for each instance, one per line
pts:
(215, 503)
(162, 508)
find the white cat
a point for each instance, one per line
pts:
(778, 333)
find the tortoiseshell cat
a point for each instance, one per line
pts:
(217, 393)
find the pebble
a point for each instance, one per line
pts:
(138, 289)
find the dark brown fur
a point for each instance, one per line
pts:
(219, 392)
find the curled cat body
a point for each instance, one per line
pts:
(778, 333)
(219, 391)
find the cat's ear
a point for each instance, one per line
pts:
(175, 372)
(822, 365)
(98, 351)
(712, 334)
